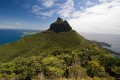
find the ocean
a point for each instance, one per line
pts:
(11, 35)
(112, 39)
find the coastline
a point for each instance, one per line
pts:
(101, 44)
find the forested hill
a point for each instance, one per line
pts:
(57, 54)
(42, 43)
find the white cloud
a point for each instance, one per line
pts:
(104, 1)
(89, 3)
(66, 9)
(95, 16)
(48, 14)
(48, 3)
(101, 18)
(36, 9)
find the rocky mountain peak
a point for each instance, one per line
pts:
(60, 26)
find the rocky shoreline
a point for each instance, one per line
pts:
(100, 44)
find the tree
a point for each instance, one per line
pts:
(76, 71)
(8, 70)
(95, 69)
(35, 66)
(53, 67)
(116, 71)
(22, 68)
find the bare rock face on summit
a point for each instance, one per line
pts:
(60, 26)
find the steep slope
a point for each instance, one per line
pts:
(43, 42)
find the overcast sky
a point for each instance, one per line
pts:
(91, 16)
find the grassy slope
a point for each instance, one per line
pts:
(43, 42)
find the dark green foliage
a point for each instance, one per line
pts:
(53, 67)
(8, 70)
(59, 63)
(116, 71)
(95, 69)
(76, 71)
(54, 55)
(111, 64)
(22, 68)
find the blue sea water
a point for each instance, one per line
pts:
(11, 35)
